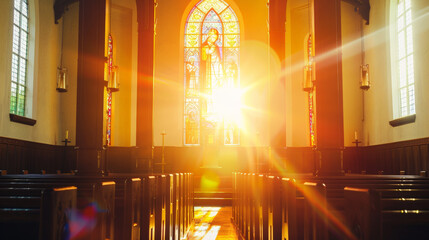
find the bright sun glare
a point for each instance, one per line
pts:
(227, 103)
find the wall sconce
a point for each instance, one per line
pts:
(307, 85)
(62, 79)
(113, 83)
(364, 77)
(62, 71)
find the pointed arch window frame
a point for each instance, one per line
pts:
(194, 36)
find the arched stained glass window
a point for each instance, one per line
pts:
(403, 59)
(211, 57)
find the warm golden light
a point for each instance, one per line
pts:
(318, 202)
(212, 233)
(209, 181)
(227, 103)
(203, 230)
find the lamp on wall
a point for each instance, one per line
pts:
(309, 64)
(364, 77)
(365, 83)
(113, 83)
(307, 85)
(62, 71)
(62, 79)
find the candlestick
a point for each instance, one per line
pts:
(66, 141)
(357, 142)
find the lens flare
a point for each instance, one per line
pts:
(82, 222)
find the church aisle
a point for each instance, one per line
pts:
(213, 223)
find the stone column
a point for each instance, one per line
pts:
(277, 109)
(329, 88)
(146, 34)
(90, 87)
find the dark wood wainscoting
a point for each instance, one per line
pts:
(18, 155)
(410, 156)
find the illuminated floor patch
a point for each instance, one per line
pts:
(213, 223)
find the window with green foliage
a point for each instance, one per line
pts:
(19, 57)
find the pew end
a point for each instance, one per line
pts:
(362, 212)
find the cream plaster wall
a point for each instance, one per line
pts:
(67, 100)
(297, 25)
(44, 47)
(124, 33)
(351, 31)
(378, 100)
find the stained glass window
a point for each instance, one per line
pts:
(309, 64)
(109, 92)
(404, 62)
(19, 57)
(211, 60)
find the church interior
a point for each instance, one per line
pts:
(214, 119)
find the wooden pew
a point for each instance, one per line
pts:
(148, 212)
(176, 211)
(170, 202)
(148, 209)
(250, 196)
(93, 194)
(160, 207)
(251, 210)
(189, 201)
(240, 202)
(386, 214)
(246, 205)
(251, 206)
(36, 213)
(288, 209)
(335, 194)
(191, 197)
(273, 186)
(185, 216)
(314, 215)
(237, 201)
(132, 200)
(262, 206)
(234, 198)
(169, 231)
(181, 207)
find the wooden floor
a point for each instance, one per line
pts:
(213, 223)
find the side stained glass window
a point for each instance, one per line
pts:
(211, 79)
(19, 57)
(309, 64)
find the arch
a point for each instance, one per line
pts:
(211, 71)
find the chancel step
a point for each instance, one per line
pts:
(222, 197)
